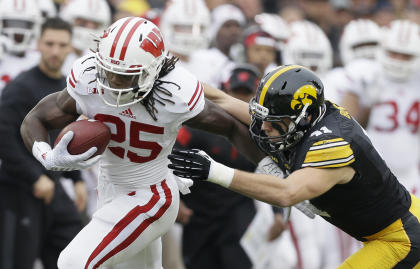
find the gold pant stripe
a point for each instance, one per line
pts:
(388, 247)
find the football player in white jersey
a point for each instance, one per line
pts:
(185, 25)
(89, 18)
(19, 22)
(132, 86)
(391, 93)
(359, 47)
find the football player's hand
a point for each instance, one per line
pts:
(59, 159)
(277, 227)
(197, 165)
(44, 188)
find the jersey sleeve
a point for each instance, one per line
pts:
(76, 81)
(329, 153)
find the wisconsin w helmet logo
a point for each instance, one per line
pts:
(304, 95)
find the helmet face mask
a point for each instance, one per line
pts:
(356, 44)
(19, 22)
(291, 99)
(400, 53)
(185, 25)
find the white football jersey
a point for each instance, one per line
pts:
(137, 153)
(393, 127)
(11, 66)
(360, 74)
(211, 66)
(336, 82)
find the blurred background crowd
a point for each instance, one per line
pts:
(367, 52)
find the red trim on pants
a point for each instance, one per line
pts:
(126, 220)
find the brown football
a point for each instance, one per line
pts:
(87, 134)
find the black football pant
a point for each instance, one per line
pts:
(29, 229)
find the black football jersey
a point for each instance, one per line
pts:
(374, 198)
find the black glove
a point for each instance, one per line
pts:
(194, 164)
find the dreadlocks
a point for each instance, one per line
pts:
(158, 90)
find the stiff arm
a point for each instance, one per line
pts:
(235, 107)
(216, 120)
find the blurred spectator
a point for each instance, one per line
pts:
(185, 24)
(89, 20)
(133, 7)
(213, 66)
(212, 4)
(38, 218)
(19, 22)
(278, 28)
(48, 9)
(243, 82)
(291, 13)
(260, 49)
(250, 8)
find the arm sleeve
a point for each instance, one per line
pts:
(16, 158)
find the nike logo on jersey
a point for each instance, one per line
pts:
(128, 113)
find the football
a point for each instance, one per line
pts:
(87, 134)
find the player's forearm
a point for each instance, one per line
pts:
(266, 188)
(233, 106)
(32, 129)
(239, 136)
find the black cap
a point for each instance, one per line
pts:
(244, 77)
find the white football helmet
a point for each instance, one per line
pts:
(309, 46)
(130, 55)
(402, 37)
(47, 8)
(275, 26)
(19, 21)
(185, 25)
(96, 11)
(360, 39)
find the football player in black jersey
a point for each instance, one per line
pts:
(328, 159)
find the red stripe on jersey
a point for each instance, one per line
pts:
(137, 232)
(128, 38)
(195, 93)
(198, 98)
(72, 75)
(122, 224)
(117, 37)
(71, 83)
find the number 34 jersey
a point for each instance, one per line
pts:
(394, 128)
(137, 153)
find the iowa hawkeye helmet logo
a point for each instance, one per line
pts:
(304, 95)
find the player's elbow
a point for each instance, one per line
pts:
(286, 197)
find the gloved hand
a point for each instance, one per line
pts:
(197, 165)
(59, 159)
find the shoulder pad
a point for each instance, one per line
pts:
(328, 153)
(190, 94)
(82, 73)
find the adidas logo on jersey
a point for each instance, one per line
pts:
(128, 113)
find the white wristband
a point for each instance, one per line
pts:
(221, 174)
(40, 148)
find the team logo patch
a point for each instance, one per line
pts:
(304, 95)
